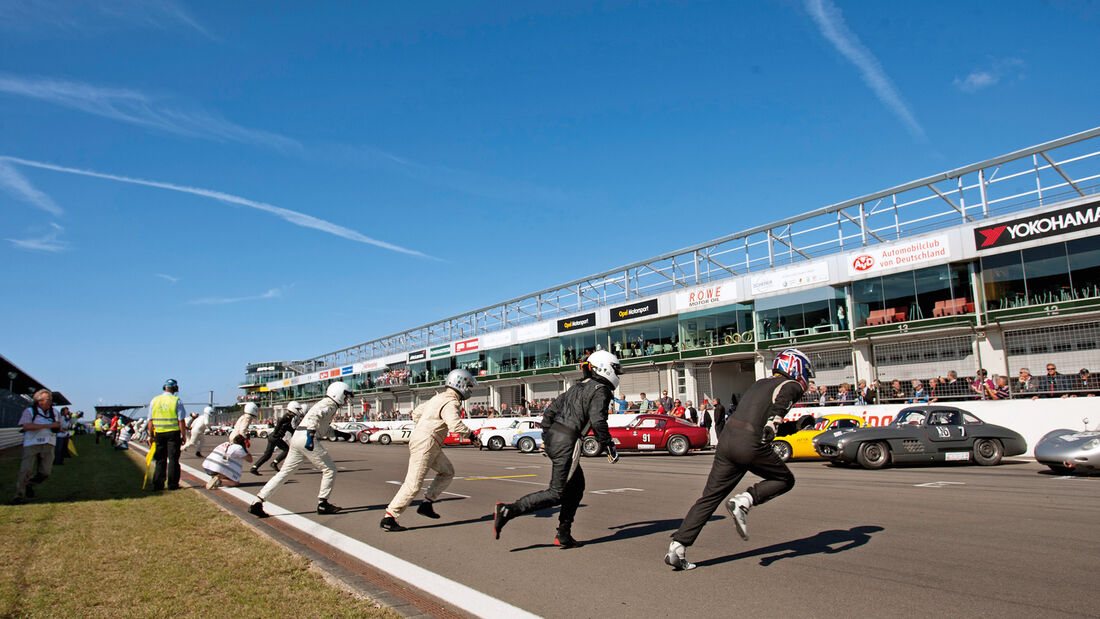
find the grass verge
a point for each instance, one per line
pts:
(95, 544)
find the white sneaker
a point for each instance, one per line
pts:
(738, 507)
(677, 557)
(213, 482)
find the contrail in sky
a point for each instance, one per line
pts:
(294, 217)
(831, 24)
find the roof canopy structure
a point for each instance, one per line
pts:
(21, 383)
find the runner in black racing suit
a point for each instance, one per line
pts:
(741, 449)
(275, 439)
(584, 406)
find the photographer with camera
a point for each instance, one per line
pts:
(40, 424)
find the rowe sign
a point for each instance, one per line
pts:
(1065, 220)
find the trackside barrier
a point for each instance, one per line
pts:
(10, 437)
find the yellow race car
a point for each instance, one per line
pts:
(800, 444)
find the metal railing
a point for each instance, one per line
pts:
(1042, 174)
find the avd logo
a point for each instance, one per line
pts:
(862, 263)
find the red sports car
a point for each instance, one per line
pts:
(454, 438)
(653, 432)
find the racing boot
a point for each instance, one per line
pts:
(677, 557)
(739, 507)
(324, 507)
(29, 491)
(565, 540)
(198, 454)
(213, 482)
(389, 523)
(275, 465)
(257, 509)
(502, 513)
(255, 471)
(426, 509)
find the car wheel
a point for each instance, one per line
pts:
(782, 449)
(385, 439)
(526, 444)
(678, 445)
(590, 446)
(364, 437)
(263, 434)
(496, 443)
(988, 451)
(873, 455)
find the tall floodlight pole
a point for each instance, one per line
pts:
(11, 381)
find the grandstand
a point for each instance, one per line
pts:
(993, 265)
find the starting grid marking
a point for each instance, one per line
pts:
(497, 477)
(616, 490)
(398, 483)
(939, 484)
(462, 596)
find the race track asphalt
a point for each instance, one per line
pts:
(1009, 540)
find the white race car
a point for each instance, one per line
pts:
(496, 439)
(400, 434)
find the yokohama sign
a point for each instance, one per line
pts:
(1054, 223)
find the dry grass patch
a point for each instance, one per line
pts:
(95, 544)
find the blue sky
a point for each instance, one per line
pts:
(271, 182)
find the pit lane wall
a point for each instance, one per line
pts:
(1031, 418)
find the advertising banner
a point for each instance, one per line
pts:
(1062, 221)
(634, 310)
(577, 322)
(789, 279)
(882, 257)
(706, 296)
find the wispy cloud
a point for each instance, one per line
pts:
(17, 185)
(168, 277)
(294, 217)
(93, 17)
(138, 108)
(832, 26)
(48, 242)
(270, 294)
(999, 68)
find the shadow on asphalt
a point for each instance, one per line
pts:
(383, 506)
(626, 531)
(826, 542)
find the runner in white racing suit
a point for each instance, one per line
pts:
(306, 445)
(198, 431)
(433, 419)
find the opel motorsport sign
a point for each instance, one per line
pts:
(882, 257)
(577, 322)
(634, 310)
(1081, 217)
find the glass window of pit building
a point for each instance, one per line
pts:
(643, 339)
(1056, 273)
(719, 326)
(799, 313)
(933, 292)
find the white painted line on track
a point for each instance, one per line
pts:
(462, 596)
(398, 483)
(939, 484)
(617, 490)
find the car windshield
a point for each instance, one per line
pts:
(821, 424)
(909, 418)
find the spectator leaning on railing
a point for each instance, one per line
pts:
(1053, 385)
(1085, 385)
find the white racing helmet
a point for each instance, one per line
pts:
(339, 392)
(294, 408)
(209, 410)
(461, 381)
(606, 366)
(251, 410)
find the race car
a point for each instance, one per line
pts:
(400, 434)
(495, 439)
(528, 442)
(454, 438)
(1070, 451)
(800, 442)
(922, 434)
(650, 433)
(346, 430)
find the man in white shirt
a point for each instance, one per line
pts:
(39, 422)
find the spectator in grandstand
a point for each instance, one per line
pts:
(811, 398)
(643, 404)
(1000, 389)
(619, 403)
(660, 410)
(1053, 385)
(844, 395)
(1084, 384)
(678, 409)
(982, 385)
(666, 401)
(897, 393)
(953, 387)
(864, 394)
(933, 392)
(822, 395)
(1026, 384)
(920, 396)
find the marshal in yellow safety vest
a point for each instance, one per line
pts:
(163, 413)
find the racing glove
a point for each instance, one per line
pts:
(309, 440)
(612, 454)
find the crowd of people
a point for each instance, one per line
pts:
(952, 388)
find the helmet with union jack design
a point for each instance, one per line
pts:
(795, 365)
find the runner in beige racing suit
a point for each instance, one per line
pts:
(433, 419)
